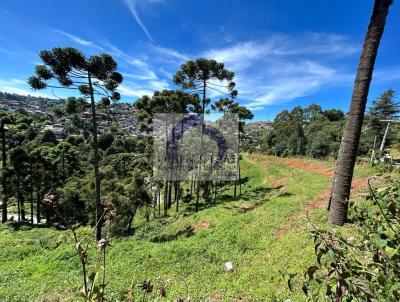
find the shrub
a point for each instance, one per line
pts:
(366, 268)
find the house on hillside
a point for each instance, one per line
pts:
(57, 129)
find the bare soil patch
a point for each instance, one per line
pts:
(320, 202)
(201, 225)
(309, 167)
(245, 207)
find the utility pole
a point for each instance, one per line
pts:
(384, 138)
(373, 152)
(386, 132)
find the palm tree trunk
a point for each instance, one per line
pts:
(96, 159)
(348, 148)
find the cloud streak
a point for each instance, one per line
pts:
(270, 71)
(78, 40)
(285, 67)
(131, 4)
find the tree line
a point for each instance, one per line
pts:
(87, 170)
(317, 133)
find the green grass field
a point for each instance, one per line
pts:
(259, 232)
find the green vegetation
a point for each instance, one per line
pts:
(115, 231)
(317, 133)
(311, 131)
(41, 263)
(363, 266)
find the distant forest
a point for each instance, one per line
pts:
(317, 133)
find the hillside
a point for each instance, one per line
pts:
(264, 233)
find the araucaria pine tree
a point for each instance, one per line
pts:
(96, 76)
(198, 76)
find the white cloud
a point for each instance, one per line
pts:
(131, 4)
(268, 71)
(282, 67)
(387, 74)
(130, 91)
(168, 54)
(135, 89)
(286, 90)
(7, 52)
(21, 87)
(78, 40)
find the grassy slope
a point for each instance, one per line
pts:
(40, 264)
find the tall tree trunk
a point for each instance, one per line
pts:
(38, 202)
(18, 198)
(201, 144)
(99, 209)
(159, 199)
(166, 199)
(4, 179)
(176, 196)
(170, 194)
(240, 177)
(348, 148)
(31, 202)
(130, 222)
(22, 206)
(31, 187)
(191, 185)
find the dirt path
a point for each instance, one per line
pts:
(309, 167)
(313, 167)
(320, 202)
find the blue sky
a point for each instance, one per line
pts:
(284, 53)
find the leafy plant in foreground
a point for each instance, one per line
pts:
(366, 268)
(91, 290)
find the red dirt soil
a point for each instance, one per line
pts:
(309, 167)
(319, 202)
(200, 225)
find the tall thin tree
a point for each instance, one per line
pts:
(93, 76)
(3, 122)
(198, 76)
(344, 169)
